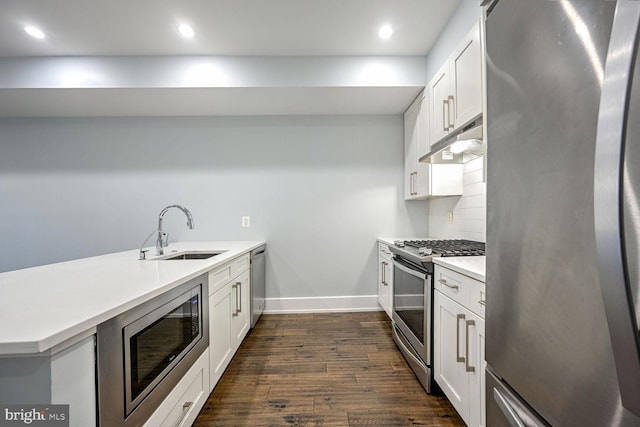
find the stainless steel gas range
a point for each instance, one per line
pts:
(413, 298)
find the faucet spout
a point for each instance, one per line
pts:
(159, 243)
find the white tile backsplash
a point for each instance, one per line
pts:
(472, 189)
(475, 214)
(469, 210)
(474, 165)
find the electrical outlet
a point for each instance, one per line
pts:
(450, 217)
(246, 221)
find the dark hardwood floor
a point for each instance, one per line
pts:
(336, 369)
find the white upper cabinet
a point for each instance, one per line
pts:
(455, 91)
(466, 78)
(439, 90)
(416, 137)
(425, 180)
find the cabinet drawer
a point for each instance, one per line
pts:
(221, 275)
(182, 405)
(383, 250)
(451, 284)
(477, 297)
(464, 290)
(240, 265)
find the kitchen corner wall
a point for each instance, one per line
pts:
(469, 210)
(319, 189)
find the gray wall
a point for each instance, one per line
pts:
(319, 189)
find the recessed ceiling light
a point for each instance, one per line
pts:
(34, 32)
(385, 32)
(186, 31)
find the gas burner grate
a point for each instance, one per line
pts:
(449, 248)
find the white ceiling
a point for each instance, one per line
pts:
(223, 27)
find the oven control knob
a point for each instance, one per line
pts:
(425, 251)
(399, 243)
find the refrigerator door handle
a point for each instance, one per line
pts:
(507, 410)
(612, 117)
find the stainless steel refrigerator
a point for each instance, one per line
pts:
(563, 213)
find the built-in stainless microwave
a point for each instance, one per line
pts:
(144, 352)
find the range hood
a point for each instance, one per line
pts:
(459, 147)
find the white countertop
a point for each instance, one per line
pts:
(44, 306)
(472, 266)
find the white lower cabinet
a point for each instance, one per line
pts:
(229, 314)
(241, 317)
(385, 278)
(220, 342)
(182, 405)
(459, 344)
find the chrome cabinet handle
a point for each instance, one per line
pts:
(445, 103)
(185, 411)
(468, 367)
(459, 317)
(483, 300)
(413, 183)
(235, 311)
(449, 105)
(444, 282)
(239, 300)
(384, 273)
(507, 410)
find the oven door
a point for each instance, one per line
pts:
(412, 301)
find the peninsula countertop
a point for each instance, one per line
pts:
(42, 307)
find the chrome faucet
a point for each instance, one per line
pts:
(159, 243)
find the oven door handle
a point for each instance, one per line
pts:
(409, 270)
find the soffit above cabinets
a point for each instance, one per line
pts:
(203, 101)
(198, 86)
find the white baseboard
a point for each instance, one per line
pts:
(322, 304)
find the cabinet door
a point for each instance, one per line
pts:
(240, 316)
(385, 281)
(221, 307)
(382, 299)
(411, 149)
(417, 183)
(423, 145)
(388, 276)
(477, 376)
(422, 178)
(449, 349)
(466, 76)
(439, 94)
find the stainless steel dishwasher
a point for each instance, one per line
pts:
(257, 283)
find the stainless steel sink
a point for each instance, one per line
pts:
(190, 255)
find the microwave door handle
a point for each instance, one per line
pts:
(617, 295)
